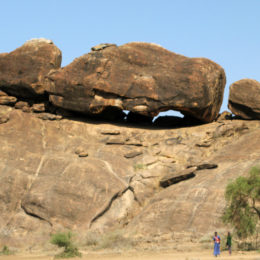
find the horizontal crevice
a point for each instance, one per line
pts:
(174, 180)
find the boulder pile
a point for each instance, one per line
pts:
(142, 78)
(160, 185)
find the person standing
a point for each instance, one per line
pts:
(216, 240)
(229, 242)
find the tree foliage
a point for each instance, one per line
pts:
(65, 240)
(243, 203)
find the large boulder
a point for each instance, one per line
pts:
(139, 77)
(22, 71)
(244, 97)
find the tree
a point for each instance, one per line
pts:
(243, 203)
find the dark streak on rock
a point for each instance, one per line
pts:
(35, 215)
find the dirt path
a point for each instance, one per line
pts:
(203, 255)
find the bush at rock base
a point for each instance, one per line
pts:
(65, 240)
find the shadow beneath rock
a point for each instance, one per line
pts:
(132, 120)
(167, 122)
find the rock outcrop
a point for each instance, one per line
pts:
(46, 186)
(244, 99)
(139, 77)
(23, 70)
(60, 170)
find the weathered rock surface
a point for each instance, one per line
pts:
(22, 71)
(139, 77)
(39, 108)
(21, 105)
(193, 208)
(244, 96)
(4, 114)
(7, 100)
(46, 187)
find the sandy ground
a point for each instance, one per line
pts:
(203, 255)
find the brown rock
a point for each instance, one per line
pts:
(41, 182)
(7, 100)
(244, 96)
(4, 119)
(83, 154)
(79, 150)
(21, 105)
(102, 46)
(38, 108)
(139, 77)
(196, 205)
(110, 132)
(4, 114)
(132, 154)
(118, 141)
(204, 166)
(204, 144)
(27, 109)
(224, 116)
(22, 71)
(230, 129)
(45, 187)
(2, 93)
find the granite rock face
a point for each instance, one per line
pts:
(61, 172)
(139, 77)
(23, 70)
(244, 99)
(45, 186)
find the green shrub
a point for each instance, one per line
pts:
(5, 251)
(65, 240)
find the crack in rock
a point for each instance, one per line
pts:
(35, 215)
(117, 195)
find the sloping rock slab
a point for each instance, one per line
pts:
(173, 178)
(244, 96)
(139, 77)
(195, 206)
(22, 71)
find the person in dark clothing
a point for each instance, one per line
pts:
(229, 242)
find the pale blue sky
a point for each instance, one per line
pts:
(226, 31)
